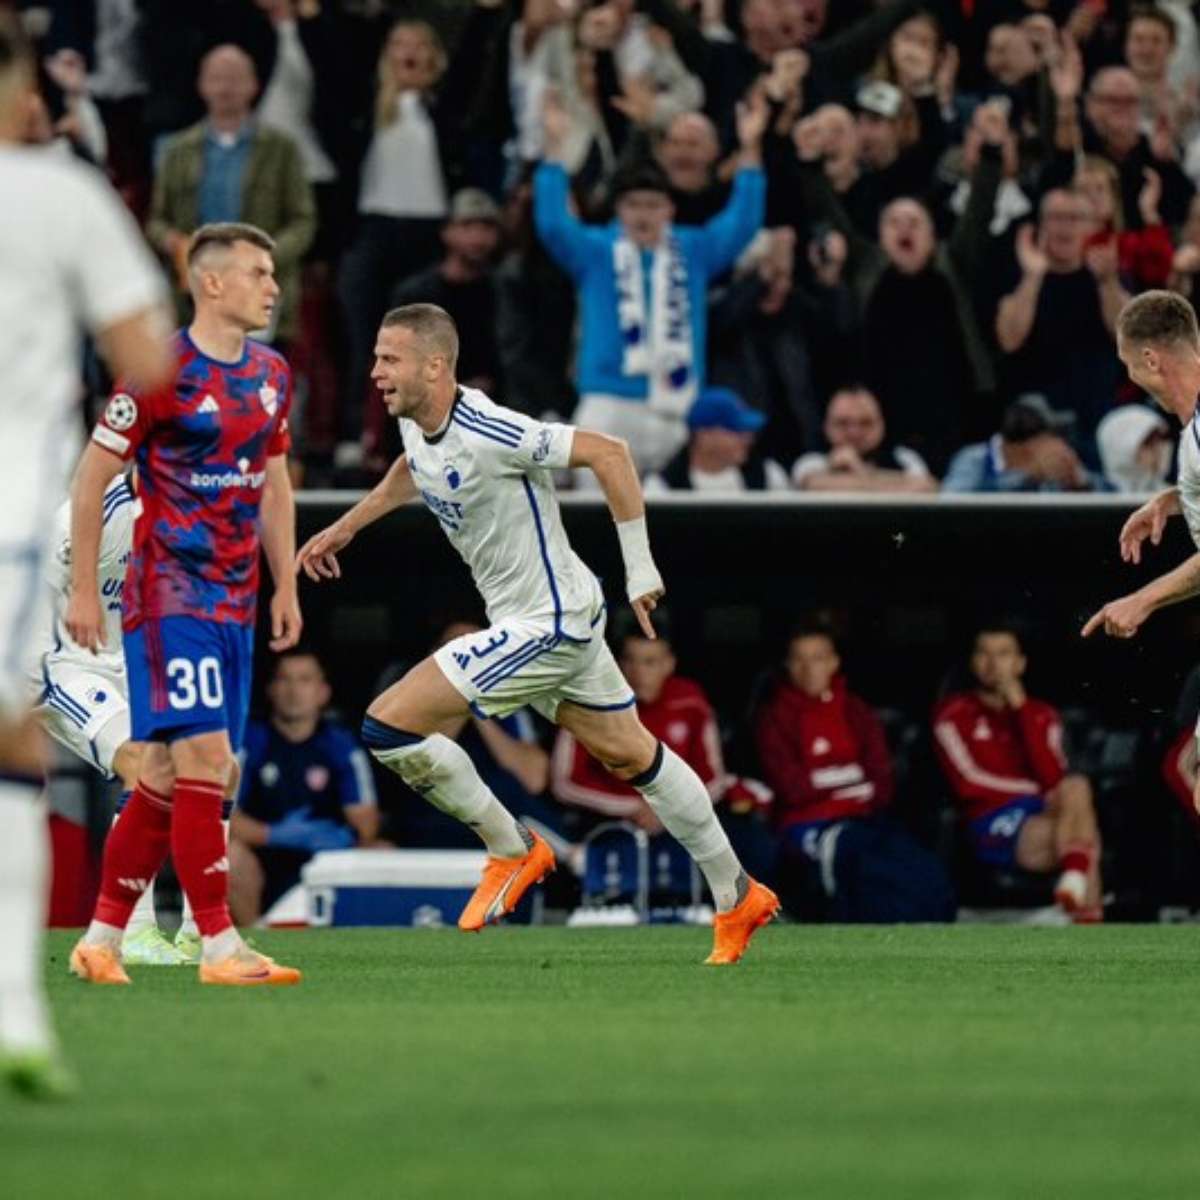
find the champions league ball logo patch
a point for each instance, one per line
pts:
(121, 412)
(269, 397)
(541, 449)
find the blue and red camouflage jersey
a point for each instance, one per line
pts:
(201, 447)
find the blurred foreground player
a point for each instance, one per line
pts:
(485, 472)
(212, 455)
(1159, 343)
(70, 256)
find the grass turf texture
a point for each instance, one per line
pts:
(962, 1062)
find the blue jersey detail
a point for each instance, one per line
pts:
(491, 434)
(541, 533)
(497, 423)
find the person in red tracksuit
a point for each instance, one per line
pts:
(822, 749)
(825, 755)
(1002, 754)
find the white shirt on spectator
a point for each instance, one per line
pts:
(402, 176)
(726, 481)
(528, 75)
(288, 99)
(908, 461)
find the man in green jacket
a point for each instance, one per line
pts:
(230, 168)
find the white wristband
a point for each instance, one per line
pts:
(641, 575)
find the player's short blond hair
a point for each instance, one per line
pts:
(432, 326)
(224, 235)
(1159, 318)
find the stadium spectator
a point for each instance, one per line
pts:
(306, 786)
(824, 753)
(1112, 130)
(411, 163)
(860, 457)
(1002, 755)
(230, 167)
(918, 320)
(1144, 255)
(642, 286)
(311, 94)
(1057, 324)
(777, 332)
(1186, 262)
(1136, 448)
(463, 283)
(719, 456)
(688, 152)
(1150, 39)
(675, 710)
(1028, 454)
(535, 320)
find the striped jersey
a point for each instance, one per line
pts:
(486, 477)
(54, 644)
(1189, 475)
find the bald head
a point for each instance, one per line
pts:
(688, 151)
(228, 84)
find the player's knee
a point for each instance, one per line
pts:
(626, 757)
(413, 757)
(1074, 793)
(127, 764)
(203, 757)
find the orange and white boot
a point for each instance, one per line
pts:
(97, 964)
(248, 969)
(505, 881)
(733, 930)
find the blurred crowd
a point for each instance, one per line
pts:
(776, 244)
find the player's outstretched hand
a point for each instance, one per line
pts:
(286, 621)
(1149, 521)
(85, 621)
(318, 556)
(643, 606)
(1119, 618)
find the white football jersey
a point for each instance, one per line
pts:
(54, 644)
(71, 258)
(487, 478)
(1189, 475)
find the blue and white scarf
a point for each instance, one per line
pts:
(661, 347)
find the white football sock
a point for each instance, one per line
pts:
(224, 945)
(441, 771)
(682, 803)
(144, 915)
(24, 858)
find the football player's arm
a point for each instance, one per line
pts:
(318, 556)
(1124, 617)
(138, 347)
(279, 545)
(610, 461)
(84, 617)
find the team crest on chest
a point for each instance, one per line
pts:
(269, 397)
(453, 476)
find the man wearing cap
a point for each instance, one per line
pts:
(642, 285)
(719, 454)
(463, 283)
(1029, 454)
(860, 457)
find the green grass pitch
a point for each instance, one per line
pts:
(961, 1063)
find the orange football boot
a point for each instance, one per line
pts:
(97, 964)
(505, 881)
(248, 969)
(733, 930)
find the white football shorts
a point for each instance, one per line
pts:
(24, 611)
(86, 709)
(517, 663)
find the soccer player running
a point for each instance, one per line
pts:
(1159, 343)
(69, 256)
(484, 472)
(211, 453)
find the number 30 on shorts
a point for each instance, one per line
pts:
(190, 682)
